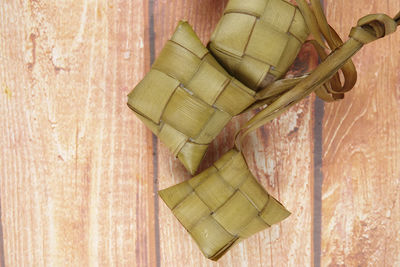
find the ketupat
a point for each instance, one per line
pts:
(223, 205)
(187, 97)
(258, 40)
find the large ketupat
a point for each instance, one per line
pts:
(223, 205)
(187, 97)
(258, 40)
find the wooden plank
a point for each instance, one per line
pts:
(75, 163)
(280, 155)
(176, 246)
(361, 151)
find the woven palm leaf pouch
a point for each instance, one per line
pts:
(187, 97)
(225, 204)
(258, 40)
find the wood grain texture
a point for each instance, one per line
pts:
(78, 171)
(361, 151)
(75, 162)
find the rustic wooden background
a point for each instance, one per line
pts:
(79, 172)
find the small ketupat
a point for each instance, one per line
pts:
(223, 205)
(258, 40)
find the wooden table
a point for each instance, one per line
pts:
(79, 172)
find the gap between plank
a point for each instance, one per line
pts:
(318, 180)
(154, 143)
(319, 110)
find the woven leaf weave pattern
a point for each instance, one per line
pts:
(258, 40)
(223, 205)
(187, 97)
